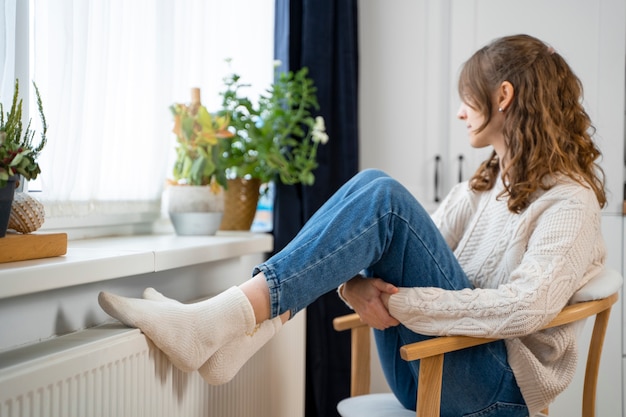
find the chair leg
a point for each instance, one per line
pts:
(360, 361)
(429, 386)
(593, 363)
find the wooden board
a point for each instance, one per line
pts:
(18, 247)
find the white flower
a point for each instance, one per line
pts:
(277, 63)
(321, 137)
(320, 124)
(319, 131)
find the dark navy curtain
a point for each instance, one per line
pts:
(322, 35)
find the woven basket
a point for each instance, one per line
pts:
(240, 203)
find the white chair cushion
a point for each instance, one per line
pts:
(602, 285)
(373, 405)
(377, 405)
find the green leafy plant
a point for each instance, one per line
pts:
(199, 136)
(277, 137)
(18, 154)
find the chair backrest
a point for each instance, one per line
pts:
(595, 298)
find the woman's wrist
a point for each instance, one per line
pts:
(341, 291)
(343, 298)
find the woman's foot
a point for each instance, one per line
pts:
(226, 362)
(188, 334)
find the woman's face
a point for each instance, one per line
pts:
(491, 135)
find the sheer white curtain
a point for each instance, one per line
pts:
(7, 48)
(108, 72)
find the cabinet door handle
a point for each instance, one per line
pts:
(461, 168)
(437, 161)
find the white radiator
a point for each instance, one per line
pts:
(115, 371)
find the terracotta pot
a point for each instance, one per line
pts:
(6, 200)
(240, 203)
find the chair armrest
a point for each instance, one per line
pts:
(347, 322)
(439, 345)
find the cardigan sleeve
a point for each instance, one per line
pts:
(562, 249)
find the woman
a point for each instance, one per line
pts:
(500, 257)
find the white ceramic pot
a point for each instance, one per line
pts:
(194, 210)
(198, 223)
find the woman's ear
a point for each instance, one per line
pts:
(505, 95)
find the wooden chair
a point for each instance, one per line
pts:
(595, 298)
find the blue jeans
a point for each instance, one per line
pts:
(373, 223)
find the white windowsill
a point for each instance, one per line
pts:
(100, 259)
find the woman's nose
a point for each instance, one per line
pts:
(461, 114)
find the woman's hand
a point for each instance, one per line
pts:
(369, 297)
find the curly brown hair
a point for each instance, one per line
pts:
(547, 131)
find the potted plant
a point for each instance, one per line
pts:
(18, 153)
(195, 196)
(275, 138)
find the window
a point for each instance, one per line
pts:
(107, 73)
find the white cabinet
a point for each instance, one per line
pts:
(393, 92)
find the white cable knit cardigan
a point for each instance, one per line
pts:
(525, 267)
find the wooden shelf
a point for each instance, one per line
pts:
(19, 247)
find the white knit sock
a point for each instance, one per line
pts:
(226, 362)
(152, 294)
(187, 333)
